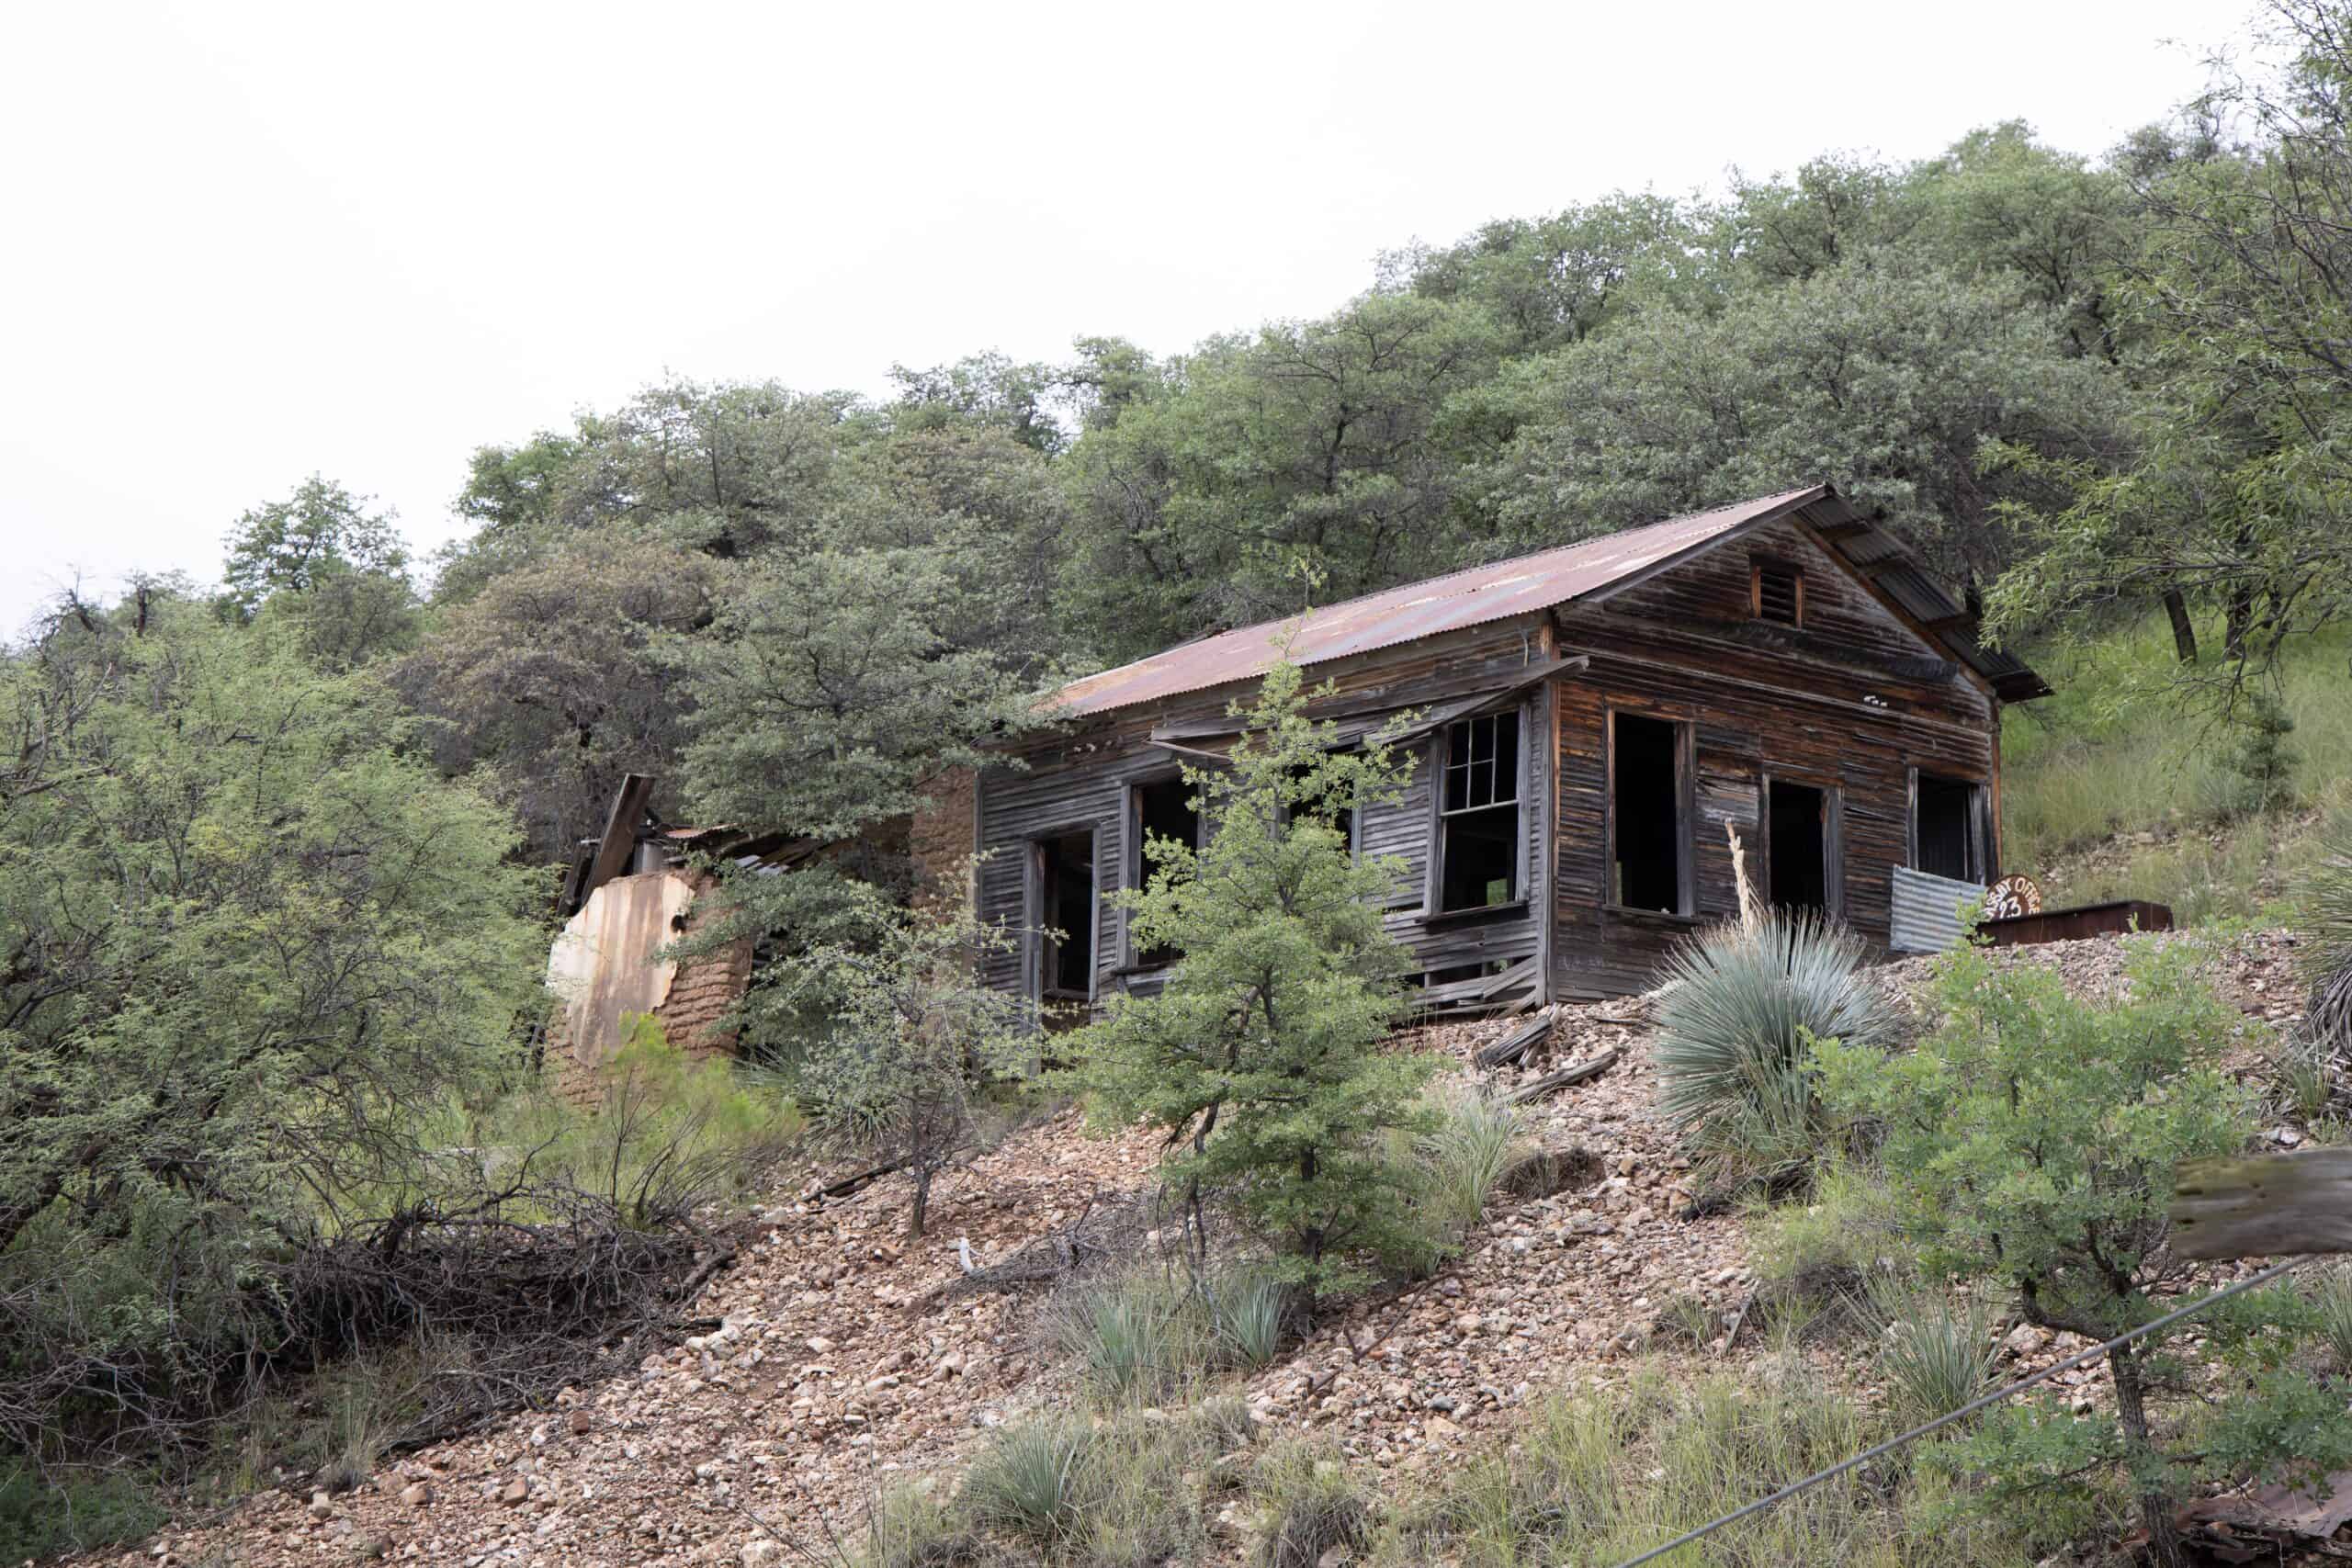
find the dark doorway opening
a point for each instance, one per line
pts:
(1943, 828)
(1646, 806)
(1797, 831)
(1065, 904)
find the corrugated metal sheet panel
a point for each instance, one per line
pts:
(1484, 593)
(1926, 911)
(1446, 604)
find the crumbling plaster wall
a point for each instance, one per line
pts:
(690, 1006)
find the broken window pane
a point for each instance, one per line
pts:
(1479, 821)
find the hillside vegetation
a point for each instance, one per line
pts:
(2111, 790)
(287, 1205)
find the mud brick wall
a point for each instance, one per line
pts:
(700, 996)
(940, 837)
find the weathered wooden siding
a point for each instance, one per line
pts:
(1850, 703)
(1847, 703)
(1081, 781)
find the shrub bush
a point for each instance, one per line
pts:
(2030, 1143)
(1733, 1029)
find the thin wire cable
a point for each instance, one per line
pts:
(1971, 1408)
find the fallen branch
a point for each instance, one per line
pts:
(849, 1184)
(1574, 1072)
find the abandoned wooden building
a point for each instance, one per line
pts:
(1591, 718)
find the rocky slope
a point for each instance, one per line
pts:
(850, 1358)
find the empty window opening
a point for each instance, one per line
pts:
(1341, 818)
(1797, 825)
(1943, 828)
(1065, 904)
(1779, 592)
(1647, 808)
(1163, 809)
(1478, 813)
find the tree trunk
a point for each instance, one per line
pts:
(2240, 619)
(2155, 1508)
(921, 1212)
(2184, 630)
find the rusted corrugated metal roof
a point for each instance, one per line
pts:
(1459, 599)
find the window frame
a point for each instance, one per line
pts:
(1033, 912)
(1356, 814)
(1833, 835)
(1984, 830)
(1758, 565)
(1130, 861)
(1686, 771)
(1440, 759)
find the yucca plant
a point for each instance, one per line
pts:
(1315, 1512)
(1936, 1354)
(1475, 1133)
(1031, 1481)
(1745, 1000)
(1247, 1312)
(2323, 899)
(1136, 1334)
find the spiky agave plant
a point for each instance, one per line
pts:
(1732, 1031)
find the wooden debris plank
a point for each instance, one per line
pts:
(1515, 1045)
(2264, 1205)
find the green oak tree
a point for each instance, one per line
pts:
(246, 930)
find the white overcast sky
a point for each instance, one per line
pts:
(245, 243)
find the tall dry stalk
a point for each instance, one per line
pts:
(1751, 908)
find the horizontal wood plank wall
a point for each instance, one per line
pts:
(1080, 779)
(1840, 701)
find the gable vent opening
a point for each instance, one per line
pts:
(1779, 593)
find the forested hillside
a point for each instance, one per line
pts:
(278, 851)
